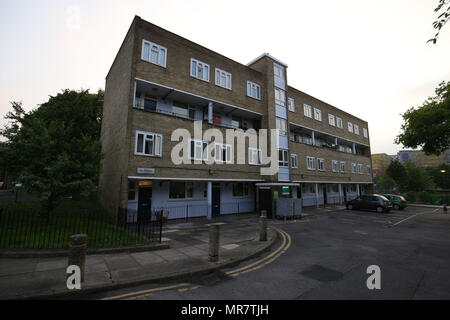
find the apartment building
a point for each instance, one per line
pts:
(422, 160)
(161, 85)
(380, 162)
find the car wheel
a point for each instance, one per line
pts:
(380, 209)
(349, 207)
(396, 207)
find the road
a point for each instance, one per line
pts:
(326, 257)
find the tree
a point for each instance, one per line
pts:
(416, 179)
(396, 171)
(443, 9)
(441, 176)
(428, 126)
(386, 183)
(56, 148)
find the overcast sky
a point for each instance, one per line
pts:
(369, 58)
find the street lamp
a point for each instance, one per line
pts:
(443, 171)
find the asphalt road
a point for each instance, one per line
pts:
(326, 257)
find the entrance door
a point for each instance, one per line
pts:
(144, 204)
(344, 188)
(325, 194)
(215, 199)
(265, 201)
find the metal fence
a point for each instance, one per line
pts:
(34, 230)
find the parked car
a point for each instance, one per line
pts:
(398, 202)
(370, 202)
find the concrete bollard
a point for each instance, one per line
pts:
(263, 228)
(77, 252)
(214, 235)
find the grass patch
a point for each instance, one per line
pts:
(23, 225)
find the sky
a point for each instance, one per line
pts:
(368, 58)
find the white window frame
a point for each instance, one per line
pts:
(307, 110)
(291, 104)
(369, 169)
(365, 133)
(294, 160)
(284, 162)
(203, 66)
(281, 125)
(219, 155)
(204, 150)
(350, 127)
(339, 122)
(158, 48)
(277, 67)
(254, 156)
(310, 163)
(253, 90)
(186, 183)
(356, 129)
(343, 165)
(280, 97)
(353, 167)
(335, 166)
(317, 114)
(320, 163)
(220, 74)
(245, 190)
(155, 137)
(331, 120)
(359, 168)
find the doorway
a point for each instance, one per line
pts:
(324, 189)
(265, 201)
(144, 205)
(215, 199)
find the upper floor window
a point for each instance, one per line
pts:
(254, 156)
(223, 79)
(359, 168)
(282, 126)
(198, 150)
(280, 97)
(339, 122)
(294, 160)
(356, 129)
(317, 114)
(331, 120)
(148, 144)
(283, 160)
(342, 166)
(369, 169)
(291, 104)
(320, 164)
(307, 110)
(154, 53)
(223, 152)
(335, 166)
(353, 167)
(278, 70)
(253, 90)
(350, 127)
(310, 163)
(365, 133)
(199, 70)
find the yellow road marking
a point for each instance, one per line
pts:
(188, 289)
(143, 292)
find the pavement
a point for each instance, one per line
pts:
(187, 255)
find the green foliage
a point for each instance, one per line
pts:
(385, 183)
(56, 148)
(409, 177)
(441, 179)
(424, 197)
(410, 196)
(443, 9)
(428, 126)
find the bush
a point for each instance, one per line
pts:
(410, 196)
(424, 197)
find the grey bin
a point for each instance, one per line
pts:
(288, 208)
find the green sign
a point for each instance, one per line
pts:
(285, 190)
(275, 194)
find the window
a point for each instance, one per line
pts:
(320, 164)
(278, 70)
(356, 128)
(280, 97)
(131, 190)
(353, 167)
(181, 190)
(339, 122)
(223, 79)
(283, 160)
(291, 104)
(240, 189)
(223, 152)
(282, 126)
(154, 53)
(307, 110)
(335, 166)
(310, 163)
(254, 156)
(148, 144)
(343, 166)
(331, 120)
(199, 70)
(294, 161)
(253, 90)
(317, 114)
(198, 150)
(359, 168)
(369, 170)
(350, 127)
(365, 133)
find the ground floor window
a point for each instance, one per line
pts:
(241, 189)
(132, 190)
(308, 188)
(181, 190)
